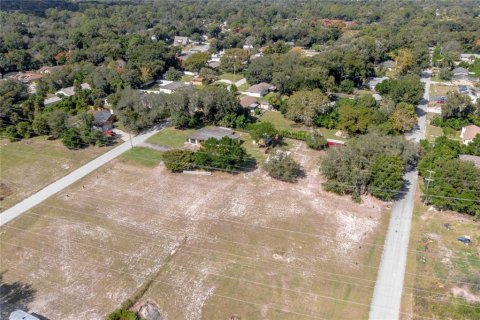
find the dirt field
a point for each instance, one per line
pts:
(28, 165)
(211, 246)
(443, 274)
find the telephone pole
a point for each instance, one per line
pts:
(429, 179)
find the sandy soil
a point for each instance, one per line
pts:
(255, 247)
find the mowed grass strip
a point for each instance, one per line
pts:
(171, 137)
(144, 156)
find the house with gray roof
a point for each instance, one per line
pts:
(103, 120)
(206, 133)
(170, 87)
(260, 89)
(70, 91)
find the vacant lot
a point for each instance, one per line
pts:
(28, 165)
(171, 137)
(199, 247)
(433, 132)
(440, 90)
(443, 274)
(281, 123)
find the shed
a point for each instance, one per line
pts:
(210, 132)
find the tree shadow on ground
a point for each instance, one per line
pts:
(13, 296)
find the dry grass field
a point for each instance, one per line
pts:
(197, 247)
(29, 165)
(443, 274)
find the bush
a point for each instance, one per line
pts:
(178, 160)
(261, 130)
(123, 314)
(72, 139)
(316, 141)
(296, 135)
(280, 165)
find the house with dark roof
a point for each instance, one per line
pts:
(103, 120)
(460, 72)
(206, 133)
(260, 89)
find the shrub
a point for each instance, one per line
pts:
(72, 139)
(316, 141)
(178, 160)
(280, 165)
(123, 314)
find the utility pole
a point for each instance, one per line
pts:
(131, 142)
(234, 67)
(429, 179)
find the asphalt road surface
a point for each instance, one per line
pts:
(72, 177)
(387, 295)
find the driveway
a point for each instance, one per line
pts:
(74, 176)
(387, 295)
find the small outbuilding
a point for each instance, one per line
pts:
(206, 133)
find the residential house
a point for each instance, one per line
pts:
(206, 133)
(260, 89)
(249, 102)
(180, 41)
(474, 159)
(170, 87)
(372, 82)
(27, 76)
(468, 133)
(49, 101)
(263, 104)
(214, 64)
(460, 72)
(70, 91)
(469, 57)
(103, 120)
(49, 70)
(21, 315)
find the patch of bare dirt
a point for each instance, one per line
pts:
(464, 292)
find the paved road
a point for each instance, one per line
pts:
(72, 177)
(387, 295)
(240, 82)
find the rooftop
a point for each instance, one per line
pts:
(469, 132)
(260, 87)
(100, 117)
(212, 132)
(174, 85)
(247, 101)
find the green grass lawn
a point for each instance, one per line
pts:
(229, 76)
(186, 78)
(171, 137)
(143, 156)
(432, 132)
(244, 86)
(281, 123)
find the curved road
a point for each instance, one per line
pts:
(74, 176)
(387, 295)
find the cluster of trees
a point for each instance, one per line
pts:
(457, 112)
(372, 163)
(23, 116)
(225, 154)
(187, 107)
(455, 183)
